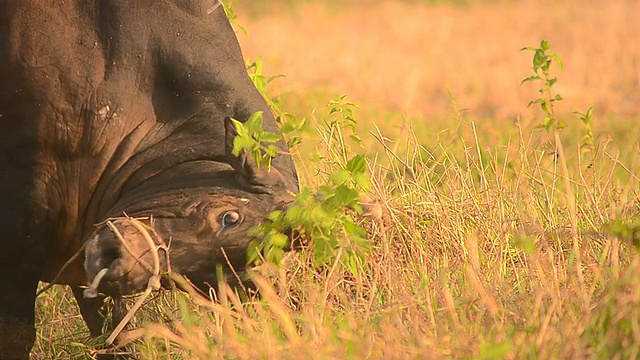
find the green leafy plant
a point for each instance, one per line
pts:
(255, 140)
(343, 120)
(588, 138)
(323, 218)
(260, 80)
(543, 58)
(290, 126)
(231, 15)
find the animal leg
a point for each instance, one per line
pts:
(17, 315)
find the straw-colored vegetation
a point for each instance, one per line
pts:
(486, 243)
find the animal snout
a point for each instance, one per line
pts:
(117, 262)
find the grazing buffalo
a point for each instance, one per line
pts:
(122, 107)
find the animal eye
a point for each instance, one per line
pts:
(230, 218)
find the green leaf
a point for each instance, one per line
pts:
(256, 153)
(525, 243)
(345, 196)
(351, 263)
(275, 215)
(340, 177)
(530, 79)
(539, 59)
(241, 143)
(274, 255)
(321, 249)
(254, 123)
(294, 141)
(288, 126)
(357, 164)
(241, 129)
(274, 77)
(544, 45)
(294, 215)
(545, 107)
(253, 251)
(270, 137)
(271, 151)
(557, 59)
(354, 230)
(266, 161)
(356, 138)
(362, 181)
(337, 100)
(536, 101)
(320, 217)
(278, 239)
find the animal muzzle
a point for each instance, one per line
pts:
(123, 257)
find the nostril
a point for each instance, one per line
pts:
(109, 256)
(105, 261)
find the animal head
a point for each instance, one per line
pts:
(192, 219)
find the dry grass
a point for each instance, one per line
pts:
(472, 259)
(478, 250)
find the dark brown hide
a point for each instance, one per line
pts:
(119, 106)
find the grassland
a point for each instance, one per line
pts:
(483, 247)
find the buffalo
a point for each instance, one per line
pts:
(115, 152)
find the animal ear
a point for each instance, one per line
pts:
(244, 164)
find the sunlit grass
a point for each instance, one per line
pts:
(472, 257)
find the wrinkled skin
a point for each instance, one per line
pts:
(113, 107)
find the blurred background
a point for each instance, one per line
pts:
(424, 59)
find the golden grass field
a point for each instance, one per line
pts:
(486, 242)
(404, 57)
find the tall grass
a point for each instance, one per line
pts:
(473, 257)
